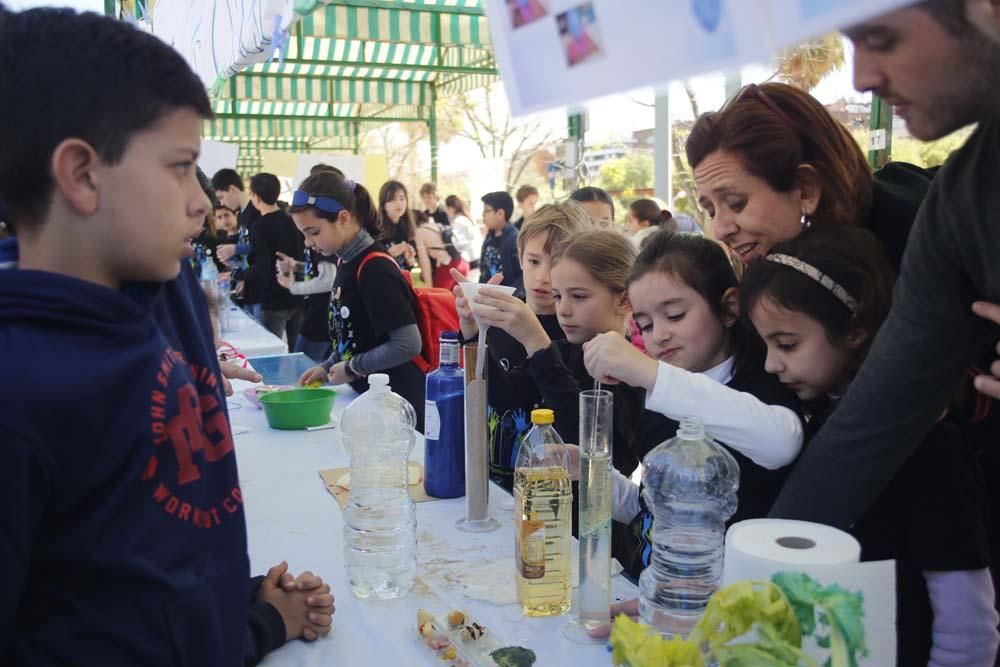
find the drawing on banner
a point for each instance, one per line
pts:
(708, 13)
(523, 12)
(578, 33)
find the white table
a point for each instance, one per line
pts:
(291, 516)
(250, 337)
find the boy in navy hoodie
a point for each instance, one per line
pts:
(123, 535)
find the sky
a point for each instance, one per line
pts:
(80, 5)
(616, 116)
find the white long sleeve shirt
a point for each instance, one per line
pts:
(769, 435)
(323, 282)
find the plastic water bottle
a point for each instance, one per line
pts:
(307, 265)
(380, 524)
(689, 484)
(543, 506)
(209, 276)
(225, 306)
(444, 424)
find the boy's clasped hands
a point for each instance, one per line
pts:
(304, 602)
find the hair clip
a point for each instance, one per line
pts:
(350, 184)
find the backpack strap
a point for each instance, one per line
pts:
(418, 360)
(383, 255)
(368, 258)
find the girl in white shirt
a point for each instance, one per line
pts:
(466, 234)
(702, 362)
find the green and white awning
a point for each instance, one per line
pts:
(349, 65)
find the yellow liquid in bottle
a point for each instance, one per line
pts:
(542, 532)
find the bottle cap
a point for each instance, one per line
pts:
(378, 382)
(542, 417)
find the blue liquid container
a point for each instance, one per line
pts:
(444, 424)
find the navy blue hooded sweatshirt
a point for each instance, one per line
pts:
(123, 537)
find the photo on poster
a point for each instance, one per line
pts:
(578, 34)
(812, 9)
(708, 14)
(523, 12)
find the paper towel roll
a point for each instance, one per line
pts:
(758, 548)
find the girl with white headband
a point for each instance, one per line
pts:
(817, 301)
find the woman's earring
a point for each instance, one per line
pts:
(805, 221)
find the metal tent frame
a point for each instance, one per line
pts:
(350, 66)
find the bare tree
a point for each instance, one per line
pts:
(472, 115)
(401, 144)
(683, 175)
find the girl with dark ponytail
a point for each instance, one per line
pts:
(645, 217)
(373, 322)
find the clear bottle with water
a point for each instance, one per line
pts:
(380, 525)
(689, 484)
(208, 276)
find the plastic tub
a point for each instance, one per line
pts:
(298, 408)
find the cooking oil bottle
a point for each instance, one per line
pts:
(543, 505)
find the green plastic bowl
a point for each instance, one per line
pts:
(298, 408)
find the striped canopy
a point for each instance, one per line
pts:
(350, 65)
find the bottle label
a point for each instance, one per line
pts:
(531, 548)
(432, 421)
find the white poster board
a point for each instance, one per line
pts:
(216, 155)
(562, 52)
(353, 167)
(484, 176)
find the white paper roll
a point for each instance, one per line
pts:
(758, 548)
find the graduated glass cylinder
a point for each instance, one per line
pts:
(477, 481)
(594, 593)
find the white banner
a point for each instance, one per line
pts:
(563, 52)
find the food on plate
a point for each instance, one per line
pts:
(473, 631)
(456, 619)
(448, 654)
(424, 616)
(513, 656)
(426, 629)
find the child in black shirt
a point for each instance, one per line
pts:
(372, 307)
(499, 255)
(510, 403)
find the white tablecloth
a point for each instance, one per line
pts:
(291, 516)
(249, 337)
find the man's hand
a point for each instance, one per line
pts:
(989, 384)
